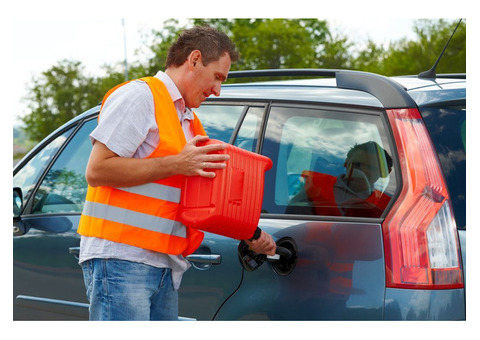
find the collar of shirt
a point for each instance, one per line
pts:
(184, 113)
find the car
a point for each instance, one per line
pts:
(366, 192)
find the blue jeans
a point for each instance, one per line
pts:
(124, 290)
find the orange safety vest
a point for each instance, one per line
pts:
(144, 216)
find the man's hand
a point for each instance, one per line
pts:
(195, 159)
(263, 245)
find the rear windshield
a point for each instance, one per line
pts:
(447, 127)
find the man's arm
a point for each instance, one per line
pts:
(106, 168)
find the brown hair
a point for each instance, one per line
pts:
(212, 43)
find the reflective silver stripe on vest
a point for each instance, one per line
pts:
(155, 190)
(134, 219)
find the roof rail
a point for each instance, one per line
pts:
(390, 93)
(296, 72)
(452, 75)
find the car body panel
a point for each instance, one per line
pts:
(205, 286)
(48, 279)
(436, 96)
(335, 277)
(433, 92)
(411, 304)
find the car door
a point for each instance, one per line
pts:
(335, 234)
(216, 272)
(47, 280)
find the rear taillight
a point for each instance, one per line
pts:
(420, 234)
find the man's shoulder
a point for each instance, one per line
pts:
(132, 91)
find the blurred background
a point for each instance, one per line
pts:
(64, 66)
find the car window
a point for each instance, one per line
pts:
(248, 134)
(64, 187)
(219, 121)
(327, 163)
(29, 174)
(447, 128)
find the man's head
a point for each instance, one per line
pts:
(371, 158)
(199, 61)
(211, 43)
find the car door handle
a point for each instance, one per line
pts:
(75, 251)
(205, 258)
(199, 258)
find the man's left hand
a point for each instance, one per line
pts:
(263, 245)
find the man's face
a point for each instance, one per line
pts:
(205, 80)
(365, 162)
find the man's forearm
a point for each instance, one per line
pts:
(118, 171)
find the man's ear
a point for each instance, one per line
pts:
(194, 58)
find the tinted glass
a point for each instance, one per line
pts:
(64, 187)
(447, 128)
(219, 121)
(327, 163)
(248, 134)
(29, 174)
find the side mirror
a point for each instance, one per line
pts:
(17, 203)
(18, 226)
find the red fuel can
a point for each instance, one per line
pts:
(229, 204)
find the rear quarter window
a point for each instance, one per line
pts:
(327, 163)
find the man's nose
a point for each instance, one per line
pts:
(216, 89)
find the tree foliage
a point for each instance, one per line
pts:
(65, 90)
(404, 57)
(59, 94)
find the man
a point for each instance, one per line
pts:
(132, 249)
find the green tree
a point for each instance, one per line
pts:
(404, 56)
(274, 43)
(156, 45)
(335, 52)
(56, 96)
(370, 58)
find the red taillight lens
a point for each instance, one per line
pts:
(420, 235)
